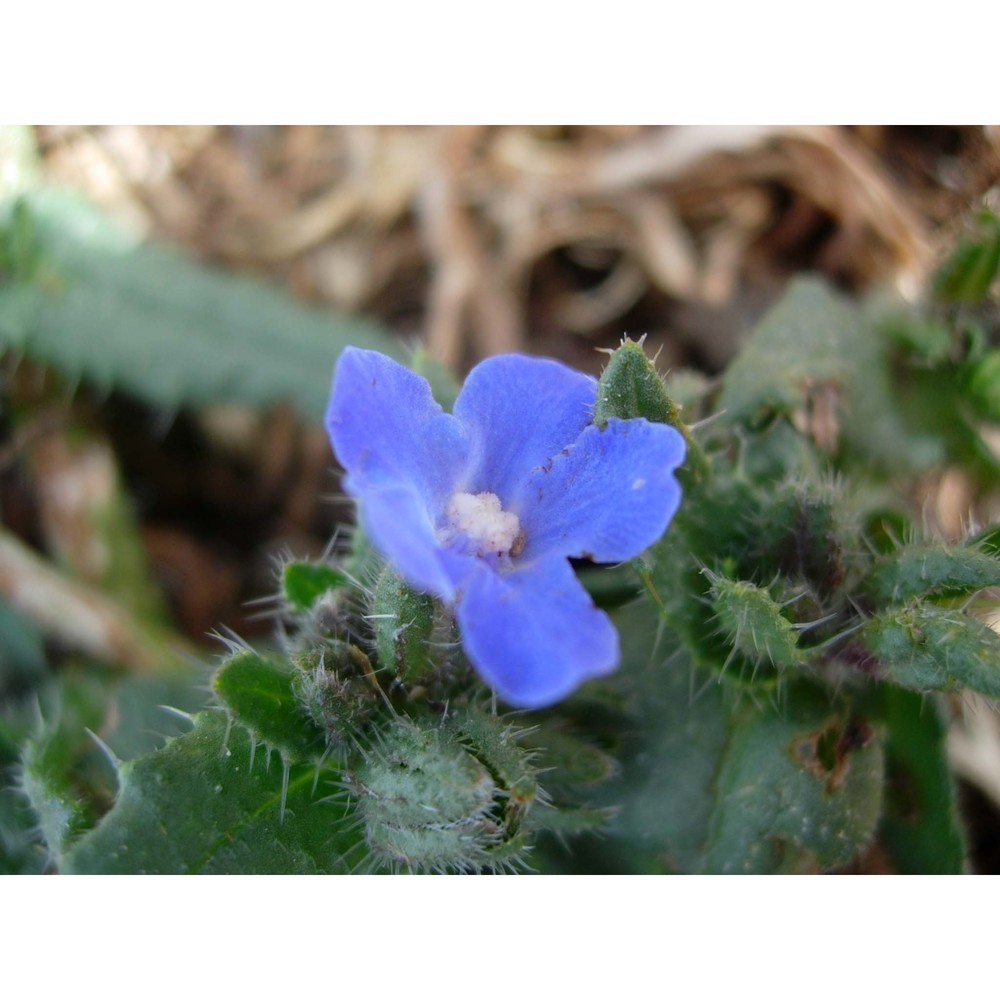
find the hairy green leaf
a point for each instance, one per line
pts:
(98, 305)
(947, 570)
(304, 583)
(22, 657)
(713, 782)
(799, 787)
(927, 648)
(206, 803)
(972, 266)
(50, 765)
(819, 360)
(920, 829)
(260, 694)
(816, 334)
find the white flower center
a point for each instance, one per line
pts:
(483, 524)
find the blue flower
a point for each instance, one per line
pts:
(484, 507)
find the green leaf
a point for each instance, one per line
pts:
(920, 829)
(944, 570)
(20, 851)
(147, 711)
(206, 804)
(99, 305)
(927, 648)
(818, 359)
(261, 697)
(59, 794)
(928, 341)
(983, 386)
(712, 782)
(304, 583)
(22, 656)
(972, 266)
(65, 779)
(807, 341)
(799, 788)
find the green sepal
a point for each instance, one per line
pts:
(403, 622)
(260, 695)
(336, 688)
(572, 765)
(940, 570)
(928, 648)
(802, 529)
(565, 822)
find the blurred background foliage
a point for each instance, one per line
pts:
(172, 300)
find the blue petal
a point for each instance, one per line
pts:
(518, 412)
(396, 521)
(385, 426)
(534, 635)
(607, 497)
(403, 456)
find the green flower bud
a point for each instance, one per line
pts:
(430, 802)
(337, 690)
(445, 797)
(752, 621)
(631, 387)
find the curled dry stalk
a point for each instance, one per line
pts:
(365, 217)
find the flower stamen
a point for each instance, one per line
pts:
(478, 523)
